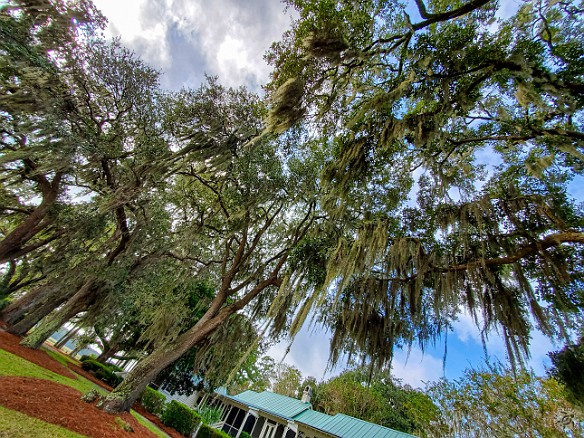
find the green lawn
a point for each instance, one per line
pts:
(147, 424)
(16, 424)
(13, 424)
(60, 357)
(13, 365)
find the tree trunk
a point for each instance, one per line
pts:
(107, 353)
(51, 323)
(12, 245)
(17, 308)
(126, 393)
(111, 347)
(31, 319)
(67, 337)
(78, 347)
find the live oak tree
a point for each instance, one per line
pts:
(66, 133)
(379, 399)
(38, 144)
(210, 364)
(566, 368)
(316, 208)
(113, 93)
(287, 380)
(494, 401)
(399, 98)
(246, 223)
(256, 373)
(123, 166)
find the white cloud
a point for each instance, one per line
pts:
(465, 328)
(309, 353)
(185, 38)
(416, 367)
(234, 61)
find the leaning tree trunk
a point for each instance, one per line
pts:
(17, 308)
(13, 245)
(53, 301)
(78, 347)
(79, 302)
(67, 337)
(108, 352)
(111, 347)
(126, 393)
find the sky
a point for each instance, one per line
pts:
(186, 39)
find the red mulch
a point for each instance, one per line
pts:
(10, 343)
(137, 406)
(59, 404)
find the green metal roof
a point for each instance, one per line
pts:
(341, 425)
(314, 419)
(349, 427)
(280, 405)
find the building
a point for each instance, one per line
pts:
(70, 345)
(270, 415)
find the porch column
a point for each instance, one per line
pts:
(242, 424)
(221, 408)
(226, 412)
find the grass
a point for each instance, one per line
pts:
(13, 424)
(60, 357)
(148, 425)
(13, 365)
(24, 426)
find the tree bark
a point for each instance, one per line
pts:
(17, 308)
(82, 299)
(13, 244)
(108, 352)
(51, 302)
(126, 393)
(67, 337)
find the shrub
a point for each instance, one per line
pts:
(245, 435)
(153, 401)
(113, 367)
(207, 431)
(114, 380)
(90, 364)
(103, 372)
(180, 417)
(210, 414)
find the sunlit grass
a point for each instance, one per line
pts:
(13, 365)
(14, 424)
(148, 425)
(60, 357)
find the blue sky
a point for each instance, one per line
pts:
(184, 39)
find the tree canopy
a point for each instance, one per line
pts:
(494, 401)
(379, 399)
(409, 163)
(449, 138)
